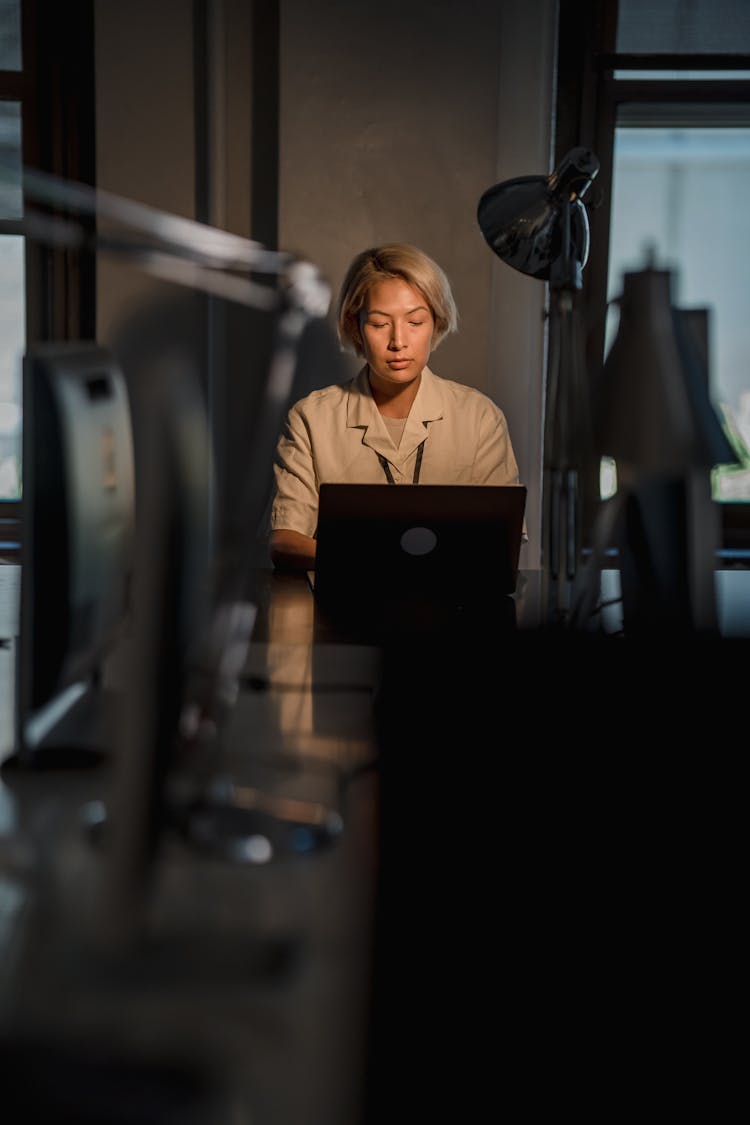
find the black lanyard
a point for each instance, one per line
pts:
(417, 465)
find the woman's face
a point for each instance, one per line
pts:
(397, 327)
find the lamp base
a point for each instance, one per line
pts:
(667, 556)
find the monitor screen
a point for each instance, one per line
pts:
(78, 525)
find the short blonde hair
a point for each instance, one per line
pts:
(382, 263)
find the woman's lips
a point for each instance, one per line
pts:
(398, 363)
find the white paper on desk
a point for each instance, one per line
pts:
(10, 589)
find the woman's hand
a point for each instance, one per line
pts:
(291, 550)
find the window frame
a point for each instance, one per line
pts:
(55, 88)
(588, 110)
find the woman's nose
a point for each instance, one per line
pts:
(396, 341)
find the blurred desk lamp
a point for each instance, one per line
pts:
(539, 226)
(193, 598)
(654, 417)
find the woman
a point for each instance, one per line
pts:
(396, 422)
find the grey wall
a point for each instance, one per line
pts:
(526, 92)
(144, 126)
(394, 119)
(389, 133)
(145, 116)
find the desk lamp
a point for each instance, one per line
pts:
(539, 226)
(194, 605)
(654, 417)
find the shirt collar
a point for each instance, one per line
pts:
(427, 406)
(363, 413)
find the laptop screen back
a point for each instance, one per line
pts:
(391, 554)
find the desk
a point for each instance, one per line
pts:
(541, 873)
(265, 972)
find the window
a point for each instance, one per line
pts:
(46, 123)
(660, 90)
(679, 195)
(12, 268)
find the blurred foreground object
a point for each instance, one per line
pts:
(654, 417)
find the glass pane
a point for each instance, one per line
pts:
(681, 195)
(11, 197)
(10, 34)
(12, 345)
(683, 27)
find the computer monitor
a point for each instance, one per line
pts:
(78, 525)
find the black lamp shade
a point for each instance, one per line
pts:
(653, 411)
(537, 224)
(522, 220)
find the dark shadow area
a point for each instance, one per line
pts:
(560, 855)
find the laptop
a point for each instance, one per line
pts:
(395, 558)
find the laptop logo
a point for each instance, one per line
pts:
(418, 541)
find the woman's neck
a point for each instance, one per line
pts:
(395, 402)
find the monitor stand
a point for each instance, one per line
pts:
(73, 731)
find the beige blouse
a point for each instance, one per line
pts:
(336, 434)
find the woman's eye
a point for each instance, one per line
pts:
(416, 323)
(374, 325)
